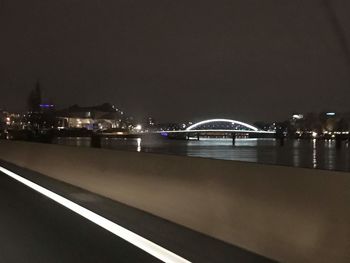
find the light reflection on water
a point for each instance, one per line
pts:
(296, 155)
(314, 154)
(300, 153)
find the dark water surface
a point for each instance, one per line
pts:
(320, 154)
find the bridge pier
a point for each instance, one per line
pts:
(197, 136)
(233, 135)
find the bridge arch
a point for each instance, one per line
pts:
(194, 126)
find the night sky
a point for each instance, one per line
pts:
(178, 60)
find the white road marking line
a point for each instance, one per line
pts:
(138, 241)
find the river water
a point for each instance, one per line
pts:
(319, 154)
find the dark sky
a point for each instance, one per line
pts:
(177, 60)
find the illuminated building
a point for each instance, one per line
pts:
(101, 117)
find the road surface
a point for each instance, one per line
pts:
(34, 228)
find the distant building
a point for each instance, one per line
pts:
(168, 126)
(101, 117)
(324, 124)
(148, 124)
(3, 119)
(10, 120)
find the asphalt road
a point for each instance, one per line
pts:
(34, 228)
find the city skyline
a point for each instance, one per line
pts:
(245, 60)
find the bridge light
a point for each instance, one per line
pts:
(223, 120)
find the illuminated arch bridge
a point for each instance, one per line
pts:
(221, 125)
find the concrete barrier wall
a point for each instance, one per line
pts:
(288, 214)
